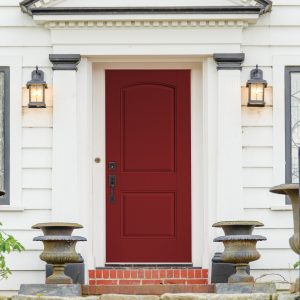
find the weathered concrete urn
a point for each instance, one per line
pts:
(59, 248)
(292, 191)
(240, 247)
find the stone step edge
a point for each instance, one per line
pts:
(156, 289)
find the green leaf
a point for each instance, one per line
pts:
(297, 264)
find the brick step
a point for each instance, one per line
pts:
(148, 276)
(157, 289)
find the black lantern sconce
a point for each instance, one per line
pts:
(256, 85)
(36, 87)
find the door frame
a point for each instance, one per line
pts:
(197, 139)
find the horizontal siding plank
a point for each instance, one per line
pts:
(276, 238)
(257, 157)
(271, 219)
(257, 177)
(25, 261)
(275, 259)
(37, 138)
(37, 158)
(37, 178)
(31, 56)
(14, 17)
(24, 36)
(257, 116)
(24, 219)
(26, 238)
(260, 197)
(257, 136)
(37, 117)
(269, 36)
(22, 277)
(37, 198)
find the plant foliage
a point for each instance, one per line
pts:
(7, 244)
(297, 264)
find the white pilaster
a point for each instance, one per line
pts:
(65, 198)
(229, 153)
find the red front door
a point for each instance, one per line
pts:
(148, 155)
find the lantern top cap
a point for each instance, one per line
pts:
(256, 76)
(37, 77)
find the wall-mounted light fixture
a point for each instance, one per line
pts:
(256, 85)
(36, 87)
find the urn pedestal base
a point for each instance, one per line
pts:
(59, 276)
(241, 275)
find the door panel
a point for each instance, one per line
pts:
(148, 208)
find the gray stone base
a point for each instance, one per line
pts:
(245, 288)
(60, 290)
(216, 297)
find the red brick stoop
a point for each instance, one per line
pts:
(145, 281)
(146, 276)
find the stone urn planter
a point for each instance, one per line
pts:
(59, 248)
(292, 191)
(240, 247)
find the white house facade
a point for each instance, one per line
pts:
(185, 136)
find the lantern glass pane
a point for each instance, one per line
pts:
(2, 131)
(36, 93)
(295, 123)
(257, 92)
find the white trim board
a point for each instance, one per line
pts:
(99, 151)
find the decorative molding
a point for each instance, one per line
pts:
(229, 61)
(65, 62)
(146, 23)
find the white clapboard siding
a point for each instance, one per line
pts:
(34, 198)
(24, 219)
(37, 137)
(260, 197)
(37, 158)
(25, 237)
(27, 260)
(37, 117)
(271, 219)
(26, 36)
(257, 157)
(276, 238)
(257, 136)
(13, 17)
(257, 177)
(36, 178)
(255, 116)
(277, 258)
(25, 277)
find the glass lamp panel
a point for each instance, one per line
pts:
(36, 93)
(1, 131)
(295, 123)
(257, 92)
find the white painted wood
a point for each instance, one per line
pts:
(37, 158)
(271, 219)
(34, 198)
(277, 258)
(26, 238)
(257, 116)
(36, 178)
(229, 156)
(37, 137)
(18, 277)
(257, 177)
(257, 137)
(25, 218)
(28, 261)
(260, 197)
(37, 117)
(65, 199)
(257, 157)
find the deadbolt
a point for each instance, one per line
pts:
(97, 160)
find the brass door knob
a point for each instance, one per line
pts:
(97, 160)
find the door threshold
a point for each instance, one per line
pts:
(148, 265)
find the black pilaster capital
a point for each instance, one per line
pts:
(229, 61)
(65, 61)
